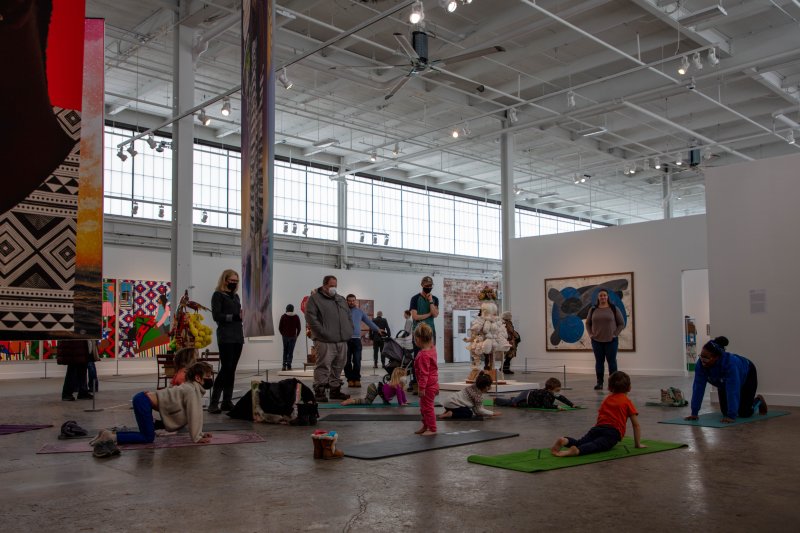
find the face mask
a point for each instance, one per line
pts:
(208, 383)
(332, 291)
(427, 290)
(232, 286)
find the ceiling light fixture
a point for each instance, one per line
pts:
(294, 228)
(698, 61)
(657, 163)
(679, 162)
(417, 13)
(386, 240)
(134, 208)
(204, 119)
(592, 131)
(373, 156)
(285, 226)
(396, 149)
(465, 130)
(284, 79)
(684, 68)
(449, 5)
(305, 230)
(226, 107)
(161, 146)
(151, 142)
(361, 237)
(204, 218)
(161, 211)
(132, 150)
(790, 137)
(517, 191)
(713, 60)
(121, 156)
(570, 99)
(512, 115)
(374, 239)
(454, 134)
(703, 15)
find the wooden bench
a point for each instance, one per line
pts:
(165, 366)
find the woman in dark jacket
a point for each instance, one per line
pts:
(76, 354)
(227, 312)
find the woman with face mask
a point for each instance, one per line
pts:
(179, 407)
(227, 312)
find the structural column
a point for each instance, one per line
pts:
(666, 194)
(508, 209)
(182, 158)
(341, 221)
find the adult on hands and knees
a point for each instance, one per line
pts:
(736, 380)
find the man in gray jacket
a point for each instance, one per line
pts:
(331, 323)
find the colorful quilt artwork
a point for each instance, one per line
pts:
(139, 332)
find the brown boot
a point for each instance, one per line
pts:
(329, 450)
(356, 384)
(317, 447)
(337, 394)
(319, 394)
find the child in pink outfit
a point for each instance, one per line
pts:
(426, 371)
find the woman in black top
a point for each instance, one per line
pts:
(227, 312)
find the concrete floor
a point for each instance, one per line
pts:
(742, 478)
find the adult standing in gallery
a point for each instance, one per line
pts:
(76, 354)
(377, 340)
(352, 368)
(604, 324)
(226, 309)
(331, 324)
(424, 307)
(290, 328)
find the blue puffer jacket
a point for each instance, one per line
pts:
(729, 372)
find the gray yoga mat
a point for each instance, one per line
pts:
(381, 417)
(420, 443)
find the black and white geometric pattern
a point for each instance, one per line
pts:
(37, 250)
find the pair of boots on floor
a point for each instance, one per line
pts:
(336, 394)
(325, 445)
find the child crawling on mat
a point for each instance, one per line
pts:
(538, 398)
(386, 391)
(468, 402)
(612, 418)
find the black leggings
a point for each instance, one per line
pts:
(229, 353)
(747, 395)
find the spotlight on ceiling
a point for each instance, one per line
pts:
(512, 115)
(570, 99)
(151, 142)
(204, 218)
(396, 149)
(657, 163)
(679, 162)
(386, 241)
(361, 237)
(790, 137)
(374, 239)
(226, 107)
(517, 191)
(373, 156)
(305, 230)
(294, 227)
(454, 134)
(132, 150)
(121, 155)
(417, 13)
(204, 119)
(698, 61)
(684, 68)
(285, 226)
(713, 60)
(161, 146)
(161, 211)
(449, 5)
(134, 208)
(284, 79)
(465, 130)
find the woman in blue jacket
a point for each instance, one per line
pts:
(735, 378)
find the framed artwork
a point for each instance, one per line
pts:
(567, 304)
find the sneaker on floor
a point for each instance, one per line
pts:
(599, 386)
(103, 436)
(761, 405)
(105, 448)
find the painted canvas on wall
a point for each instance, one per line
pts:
(143, 323)
(567, 304)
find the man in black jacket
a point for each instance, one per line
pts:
(377, 341)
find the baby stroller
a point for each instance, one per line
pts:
(399, 354)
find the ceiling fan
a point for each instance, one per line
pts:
(419, 63)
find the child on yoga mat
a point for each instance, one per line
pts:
(612, 418)
(184, 358)
(538, 398)
(386, 391)
(468, 402)
(426, 370)
(179, 406)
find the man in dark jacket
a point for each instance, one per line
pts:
(290, 328)
(76, 354)
(331, 324)
(377, 343)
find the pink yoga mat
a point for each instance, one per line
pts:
(175, 441)
(7, 429)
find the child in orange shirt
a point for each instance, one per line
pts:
(426, 371)
(612, 418)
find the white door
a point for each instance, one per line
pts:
(462, 318)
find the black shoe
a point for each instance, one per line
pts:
(226, 406)
(69, 398)
(509, 371)
(85, 396)
(214, 409)
(599, 386)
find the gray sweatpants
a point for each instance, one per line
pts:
(331, 357)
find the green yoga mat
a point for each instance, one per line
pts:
(377, 405)
(713, 420)
(537, 460)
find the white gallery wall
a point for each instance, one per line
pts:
(754, 252)
(656, 252)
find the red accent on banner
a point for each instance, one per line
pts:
(65, 53)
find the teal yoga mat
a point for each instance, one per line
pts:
(712, 420)
(538, 460)
(377, 405)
